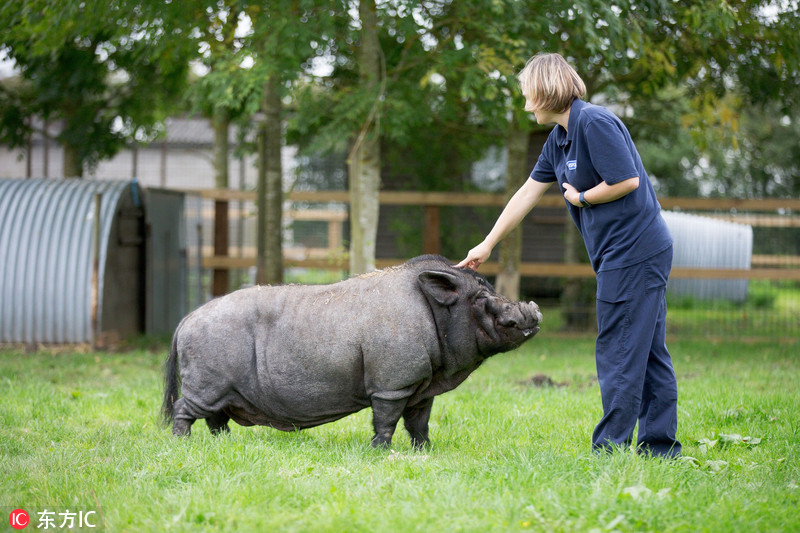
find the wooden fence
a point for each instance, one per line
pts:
(766, 267)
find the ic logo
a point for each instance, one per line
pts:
(19, 519)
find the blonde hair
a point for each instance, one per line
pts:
(550, 83)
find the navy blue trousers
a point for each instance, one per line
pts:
(634, 368)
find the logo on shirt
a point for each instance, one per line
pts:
(572, 164)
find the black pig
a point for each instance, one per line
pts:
(297, 356)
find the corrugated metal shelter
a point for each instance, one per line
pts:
(704, 242)
(47, 251)
(165, 302)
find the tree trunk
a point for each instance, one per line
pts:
(577, 297)
(220, 122)
(507, 282)
(270, 189)
(364, 162)
(73, 166)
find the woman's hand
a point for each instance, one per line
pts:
(515, 210)
(572, 195)
(476, 257)
(601, 193)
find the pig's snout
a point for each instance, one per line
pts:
(523, 316)
(534, 314)
(535, 311)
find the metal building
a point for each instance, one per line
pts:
(84, 261)
(704, 242)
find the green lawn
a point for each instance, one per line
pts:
(771, 311)
(80, 432)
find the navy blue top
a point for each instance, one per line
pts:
(597, 147)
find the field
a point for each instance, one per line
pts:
(80, 434)
(772, 310)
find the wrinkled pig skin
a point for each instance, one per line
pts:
(297, 356)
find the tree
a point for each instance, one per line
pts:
(426, 102)
(762, 162)
(270, 193)
(450, 67)
(699, 70)
(102, 69)
(253, 51)
(349, 104)
(511, 248)
(220, 94)
(364, 160)
(282, 37)
(285, 35)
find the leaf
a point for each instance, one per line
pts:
(716, 466)
(690, 460)
(736, 439)
(707, 444)
(732, 438)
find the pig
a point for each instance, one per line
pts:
(297, 356)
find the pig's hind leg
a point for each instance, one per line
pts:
(186, 412)
(218, 423)
(416, 419)
(182, 420)
(385, 416)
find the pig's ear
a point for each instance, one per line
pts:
(439, 285)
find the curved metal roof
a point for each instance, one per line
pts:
(704, 242)
(46, 249)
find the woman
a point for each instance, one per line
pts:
(609, 196)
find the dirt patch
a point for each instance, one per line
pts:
(542, 381)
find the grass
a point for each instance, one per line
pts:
(771, 310)
(80, 432)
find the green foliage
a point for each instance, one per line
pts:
(764, 161)
(80, 431)
(242, 44)
(451, 85)
(702, 79)
(112, 69)
(761, 295)
(101, 67)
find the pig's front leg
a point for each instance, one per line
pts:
(416, 422)
(385, 416)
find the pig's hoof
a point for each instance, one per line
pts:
(182, 428)
(382, 442)
(218, 423)
(420, 444)
(217, 430)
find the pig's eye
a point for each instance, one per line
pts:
(481, 297)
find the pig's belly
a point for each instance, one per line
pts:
(287, 415)
(299, 385)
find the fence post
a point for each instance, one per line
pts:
(220, 284)
(431, 237)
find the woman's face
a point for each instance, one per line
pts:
(542, 116)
